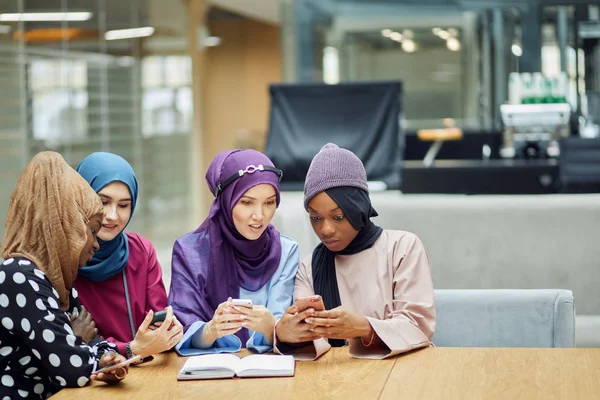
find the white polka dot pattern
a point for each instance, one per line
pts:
(39, 303)
(19, 278)
(25, 360)
(30, 371)
(8, 261)
(50, 317)
(39, 273)
(36, 353)
(38, 389)
(52, 303)
(25, 325)
(7, 380)
(76, 361)
(21, 300)
(4, 300)
(23, 393)
(24, 263)
(34, 285)
(54, 360)
(81, 382)
(61, 380)
(6, 350)
(48, 335)
(7, 323)
(71, 340)
(2, 276)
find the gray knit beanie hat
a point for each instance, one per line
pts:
(333, 167)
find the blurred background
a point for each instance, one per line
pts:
(490, 97)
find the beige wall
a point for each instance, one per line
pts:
(238, 73)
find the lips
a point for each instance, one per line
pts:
(109, 227)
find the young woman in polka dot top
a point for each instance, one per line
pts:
(51, 228)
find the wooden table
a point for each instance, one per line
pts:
(433, 373)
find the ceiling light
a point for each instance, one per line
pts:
(386, 32)
(5, 29)
(408, 33)
(516, 50)
(453, 44)
(50, 16)
(436, 31)
(129, 33)
(444, 35)
(453, 32)
(396, 36)
(409, 45)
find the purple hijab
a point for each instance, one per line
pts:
(213, 262)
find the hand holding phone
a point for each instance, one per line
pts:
(159, 316)
(315, 302)
(242, 302)
(122, 364)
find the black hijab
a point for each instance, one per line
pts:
(356, 206)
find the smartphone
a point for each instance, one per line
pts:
(122, 364)
(242, 302)
(159, 316)
(315, 302)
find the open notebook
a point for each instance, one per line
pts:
(215, 366)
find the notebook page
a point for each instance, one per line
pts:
(211, 362)
(266, 362)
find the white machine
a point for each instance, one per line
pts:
(532, 130)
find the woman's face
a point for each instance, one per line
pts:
(91, 244)
(116, 201)
(254, 211)
(329, 223)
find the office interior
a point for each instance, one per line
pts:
(497, 143)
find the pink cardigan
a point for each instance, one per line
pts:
(106, 300)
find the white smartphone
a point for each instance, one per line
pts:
(122, 364)
(242, 302)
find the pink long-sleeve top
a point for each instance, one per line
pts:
(390, 284)
(106, 300)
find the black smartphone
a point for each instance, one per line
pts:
(159, 316)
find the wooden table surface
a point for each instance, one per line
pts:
(433, 373)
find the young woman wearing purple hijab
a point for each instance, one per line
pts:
(235, 253)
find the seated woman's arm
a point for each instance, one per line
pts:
(280, 298)
(184, 297)
(36, 318)
(306, 350)
(411, 323)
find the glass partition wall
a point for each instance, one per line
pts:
(454, 58)
(74, 81)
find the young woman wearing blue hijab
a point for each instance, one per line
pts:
(122, 285)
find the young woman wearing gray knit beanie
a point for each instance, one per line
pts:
(376, 284)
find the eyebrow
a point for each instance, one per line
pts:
(110, 198)
(250, 197)
(316, 212)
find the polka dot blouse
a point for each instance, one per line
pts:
(39, 353)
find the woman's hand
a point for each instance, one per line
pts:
(153, 340)
(83, 325)
(259, 319)
(114, 376)
(339, 323)
(291, 328)
(224, 322)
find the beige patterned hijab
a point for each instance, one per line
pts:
(47, 219)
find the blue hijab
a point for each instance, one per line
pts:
(101, 169)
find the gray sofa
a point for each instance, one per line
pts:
(504, 318)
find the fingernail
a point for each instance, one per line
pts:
(244, 323)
